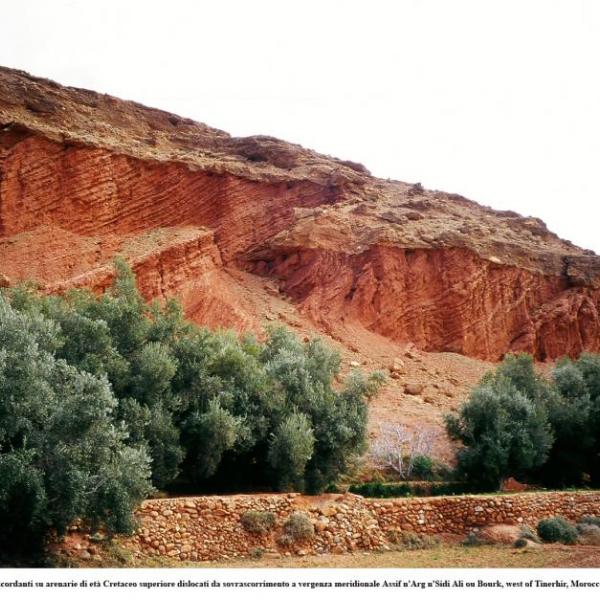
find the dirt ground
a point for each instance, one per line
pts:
(445, 556)
(551, 556)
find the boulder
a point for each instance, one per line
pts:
(414, 389)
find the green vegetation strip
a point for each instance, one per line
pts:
(105, 398)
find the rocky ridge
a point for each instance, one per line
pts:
(251, 230)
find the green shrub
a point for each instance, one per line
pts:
(400, 490)
(588, 534)
(426, 468)
(528, 533)
(423, 468)
(256, 552)
(519, 370)
(557, 529)
(377, 489)
(259, 522)
(589, 520)
(299, 527)
(522, 542)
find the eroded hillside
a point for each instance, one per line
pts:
(251, 230)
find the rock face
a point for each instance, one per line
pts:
(225, 222)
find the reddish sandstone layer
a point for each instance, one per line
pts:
(443, 299)
(241, 227)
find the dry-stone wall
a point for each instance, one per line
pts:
(462, 514)
(210, 528)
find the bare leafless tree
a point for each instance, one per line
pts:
(397, 446)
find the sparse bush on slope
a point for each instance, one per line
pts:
(258, 522)
(590, 520)
(298, 527)
(588, 534)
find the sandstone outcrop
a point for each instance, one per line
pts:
(84, 176)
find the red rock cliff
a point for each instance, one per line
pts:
(218, 220)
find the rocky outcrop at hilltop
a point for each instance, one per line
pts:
(228, 223)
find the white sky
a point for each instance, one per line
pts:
(496, 100)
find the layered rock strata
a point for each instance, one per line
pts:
(204, 216)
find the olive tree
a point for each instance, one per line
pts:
(503, 433)
(62, 456)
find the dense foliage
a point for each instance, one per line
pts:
(102, 396)
(517, 423)
(62, 454)
(378, 489)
